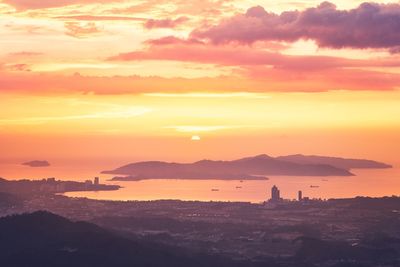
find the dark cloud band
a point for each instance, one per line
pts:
(368, 26)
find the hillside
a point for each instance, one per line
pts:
(246, 168)
(44, 239)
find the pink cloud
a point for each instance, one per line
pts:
(368, 26)
(53, 83)
(172, 40)
(164, 23)
(268, 67)
(255, 79)
(192, 50)
(323, 80)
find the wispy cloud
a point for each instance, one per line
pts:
(80, 30)
(28, 4)
(164, 23)
(117, 114)
(211, 95)
(99, 18)
(205, 128)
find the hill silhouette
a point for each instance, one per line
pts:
(246, 168)
(44, 239)
(337, 162)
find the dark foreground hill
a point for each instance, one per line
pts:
(44, 239)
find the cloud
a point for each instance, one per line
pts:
(256, 79)
(175, 7)
(25, 54)
(211, 95)
(323, 80)
(266, 70)
(123, 113)
(164, 23)
(191, 50)
(28, 28)
(54, 83)
(15, 67)
(99, 18)
(79, 30)
(207, 8)
(203, 128)
(172, 40)
(369, 25)
(36, 4)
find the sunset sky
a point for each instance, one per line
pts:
(186, 80)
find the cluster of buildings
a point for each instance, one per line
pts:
(96, 181)
(276, 195)
(51, 185)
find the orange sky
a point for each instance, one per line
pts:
(138, 79)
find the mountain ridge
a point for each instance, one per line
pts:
(250, 168)
(339, 162)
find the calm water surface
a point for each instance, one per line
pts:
(379, 182)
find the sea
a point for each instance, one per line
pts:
(366, 182)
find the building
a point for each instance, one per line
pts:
(96, 180)
(275, 194)
(300, 196)
(60, 187)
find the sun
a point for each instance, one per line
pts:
(195, 138)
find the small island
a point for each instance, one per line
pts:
(37, 163)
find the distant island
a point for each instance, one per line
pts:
(250, 168)
(37, 163)
(342, 163)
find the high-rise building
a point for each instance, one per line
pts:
(300, 196)
(275, 194)
(96, 180)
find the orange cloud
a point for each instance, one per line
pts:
(79, 30)
(15, 67)
(28, 4)
(99, 18)
(25, 54)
